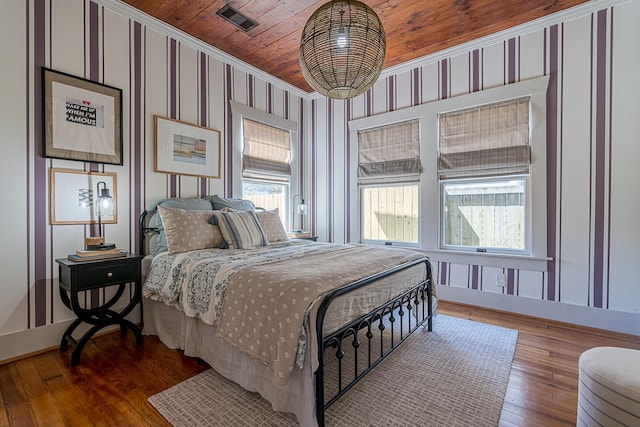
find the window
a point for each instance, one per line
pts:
(390, 213)
(484, 158)
(468, 179)
(388, 170)
(264, 159)
(485, 214)
(267, 195)
(266, 171)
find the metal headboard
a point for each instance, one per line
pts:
(144, 229)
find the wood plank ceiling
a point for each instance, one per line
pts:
(413, 28)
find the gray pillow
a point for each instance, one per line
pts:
(192, 203)
(220, 203)
(241, 230)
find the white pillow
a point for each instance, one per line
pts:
(272, 225)
(189, 230)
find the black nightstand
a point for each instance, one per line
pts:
(76, 277)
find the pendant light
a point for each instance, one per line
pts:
(342, 49)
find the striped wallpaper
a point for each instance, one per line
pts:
(592, 143)
(159, 74)
(592, 65)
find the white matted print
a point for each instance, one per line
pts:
(82, 119)
(185, 149)
(73, 196)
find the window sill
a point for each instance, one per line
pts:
(521, 262)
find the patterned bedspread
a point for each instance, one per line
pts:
(259, 298)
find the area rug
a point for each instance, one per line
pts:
(455, 375)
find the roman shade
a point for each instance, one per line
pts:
(390, 150)
(487, 140)
(266, 151)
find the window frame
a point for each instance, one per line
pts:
(385, 183)
(240, 111)
(526, 251)
(430, 200)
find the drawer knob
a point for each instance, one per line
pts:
(109, 274)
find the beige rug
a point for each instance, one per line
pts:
(455, 375)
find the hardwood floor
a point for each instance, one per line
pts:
(111, 385)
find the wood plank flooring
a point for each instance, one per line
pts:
(111, 385)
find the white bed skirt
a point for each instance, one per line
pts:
(198, 339)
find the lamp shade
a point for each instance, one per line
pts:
(105, 205)
(342, 49)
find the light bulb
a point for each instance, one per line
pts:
(341, 41)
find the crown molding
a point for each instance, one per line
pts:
(130, 12)
(526, 28)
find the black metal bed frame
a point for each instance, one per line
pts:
(416, 303)
(362, 329)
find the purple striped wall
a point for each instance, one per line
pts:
(38, 302)
(41, 286)
(137, 128)
(553, 55)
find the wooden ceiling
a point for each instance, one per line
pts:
(413, 28)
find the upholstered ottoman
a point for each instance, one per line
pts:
(609, 387)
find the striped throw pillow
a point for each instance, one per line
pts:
(241, 230)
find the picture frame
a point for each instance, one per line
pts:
(82, 119)
(185, 149)
(73, 194)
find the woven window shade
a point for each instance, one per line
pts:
(267, 149)
(342, 49)
(485, 141)
(389, 150)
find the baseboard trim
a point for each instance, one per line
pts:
(617, 321)
(30, 342)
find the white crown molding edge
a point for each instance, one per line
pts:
(526, 28)
(130, 12)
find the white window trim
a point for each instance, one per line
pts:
(430, 201)
(238, 112)
(408, 180)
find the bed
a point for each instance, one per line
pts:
(297, 321)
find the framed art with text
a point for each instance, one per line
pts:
(82, 119)
(73, 195)
(186, 149)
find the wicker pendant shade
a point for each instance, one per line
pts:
(342, 49)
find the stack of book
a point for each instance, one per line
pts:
(296, 234)
(102, 252)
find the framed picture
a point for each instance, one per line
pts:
(73, 195)
(82, 119)
(185, 149)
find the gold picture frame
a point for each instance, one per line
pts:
(73, 194)
(185, 149)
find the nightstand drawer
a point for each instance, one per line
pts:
(99, 276)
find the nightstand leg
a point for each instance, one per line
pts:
(125, 324)
(67, 337)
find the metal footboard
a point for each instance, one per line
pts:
(361, 345)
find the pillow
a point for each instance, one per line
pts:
(182, 203)
(236, 204)
(189, 230)
(241, 230)
(272, 225)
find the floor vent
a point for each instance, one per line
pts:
(237, 18)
